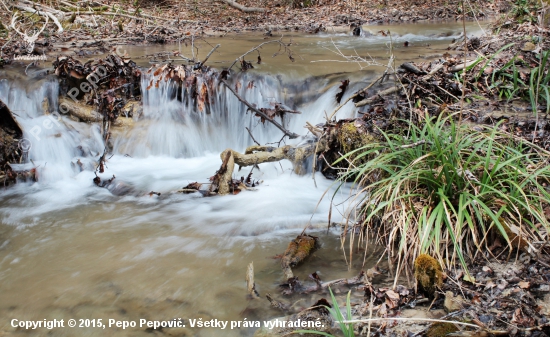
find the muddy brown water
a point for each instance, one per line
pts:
(322, 53)
(71, 251)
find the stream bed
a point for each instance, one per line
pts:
(71, 250)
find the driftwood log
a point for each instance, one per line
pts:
(257, 154)
(250, 285)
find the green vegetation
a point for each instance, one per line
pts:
(443, 189)
(352, 138)
(531, 85)
(515, 79)
(525, 11)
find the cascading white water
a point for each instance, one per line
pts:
(172, 144)
(53, 142)
(173, 128)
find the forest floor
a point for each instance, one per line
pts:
(172, 21)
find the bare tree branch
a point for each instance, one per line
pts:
(244, 8)
(291, 135)
(279, 41)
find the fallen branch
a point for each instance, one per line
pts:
(250, 285)
(263, 154)
(359, 279)
(256, 48)
(254, 155)
(208, 56)
(43, 13)
(46, 8)
(140, 17)
(411, 68)
(374, 98)
(244, 8)
(223, 177)
(68, 4)
(433, 71)
(291, 135)
(364, 90)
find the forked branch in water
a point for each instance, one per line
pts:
(291, 135)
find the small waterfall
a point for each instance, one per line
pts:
(173, 126)
(55, 141)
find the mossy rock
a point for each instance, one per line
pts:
(351, 137)
(428, 274)
(441, 329)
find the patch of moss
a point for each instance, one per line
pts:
(72, 18)
(352, 138)
(441, 329)
(298, 249)
(428, 274)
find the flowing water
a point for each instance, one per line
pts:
(69, 249)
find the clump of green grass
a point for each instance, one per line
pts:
(523, 11)
(443, 189)
(534, 88)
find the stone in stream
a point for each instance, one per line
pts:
(10, 142)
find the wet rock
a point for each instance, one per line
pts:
(123, 122)
(131, 109)
(10, 135)
(81, 112)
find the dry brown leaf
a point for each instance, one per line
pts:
(524, 285)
